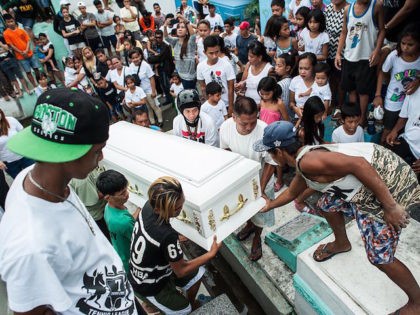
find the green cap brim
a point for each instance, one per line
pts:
(27, 144)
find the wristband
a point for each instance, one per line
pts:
(378, 95)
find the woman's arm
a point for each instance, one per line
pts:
(324, 54)
(282, 109)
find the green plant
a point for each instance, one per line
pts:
(252, 10)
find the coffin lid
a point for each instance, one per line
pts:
(161, 151)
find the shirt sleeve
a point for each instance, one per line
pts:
(27, 289)
(128, 97)
(171, 248)
(404, 108)
(325, 38)
(200, 76)
(224, 110)
(293, 83)
(387, 66)
(327, 93)
(361, 135)
(149, 71)
(128, 226)
(334, 137)
(223, 135)
(230, 74)
(212, 136)
(15, 123)
(141, 93)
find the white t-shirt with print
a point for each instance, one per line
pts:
(411, 111)
(339, 135)
(401, 73)
(5, 154)
(145, 73)
(314, 45)
(113, 75)
(294, 7)
(324, 92)
(230, 40)
(216, 112)
(177, 88)
(49, 256)
(298, 86)
(135, 96)
(221, 72)
(215, 21)
(231, 139)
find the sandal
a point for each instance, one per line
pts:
(256, 252)
(246, 232)
(322, 250)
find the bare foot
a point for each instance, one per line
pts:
(327, 251)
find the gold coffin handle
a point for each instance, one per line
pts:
(227, 213)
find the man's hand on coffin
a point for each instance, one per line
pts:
(396, 216)
(215, 247)
(267, 204)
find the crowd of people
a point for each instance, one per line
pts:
(261, 95)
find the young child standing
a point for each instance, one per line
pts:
(109, 95)
(349, 131)
(285, 64)
(215, 69)
(294, 6)
(114, 188)
(402, 66)
(214, 106)
(135, 98)
(321, 87)
(176, 85)
(314, 37)
(272, 109)
(43, 84)
(362, 43)
(302, 18)
(284, 42)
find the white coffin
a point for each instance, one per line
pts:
(222, 189)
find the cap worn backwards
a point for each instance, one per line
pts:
(278, 134)
(65, 124)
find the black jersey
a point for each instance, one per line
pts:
(153, 245)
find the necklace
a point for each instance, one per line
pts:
(32, 180)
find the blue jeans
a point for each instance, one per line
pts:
(189, 84)
(14, 168)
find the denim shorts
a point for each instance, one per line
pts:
(11, 68)
(30, 63)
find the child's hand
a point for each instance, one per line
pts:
(411, 87)
(378, 101)
(337, 62)
(374, 58)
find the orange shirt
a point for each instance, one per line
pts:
(18, 38)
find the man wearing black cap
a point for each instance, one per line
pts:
(53, 256)
(365, 181)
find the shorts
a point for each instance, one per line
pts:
(27, 23)
(109, 40)
(358, 76)
(379, 238)
(11, 68)
(390, 118)
(170, 300)
(94, 43)
(30, 63)
(77, 46)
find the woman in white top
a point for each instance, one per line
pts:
(9, 161)
(118, 74)
(258, 67)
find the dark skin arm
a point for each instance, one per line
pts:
(268, 171)
(40, 310)
(183, 267)
(398, 18)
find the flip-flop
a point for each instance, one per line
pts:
(329, 253)
(256, 253)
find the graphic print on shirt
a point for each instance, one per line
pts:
(216, 77)
(356, 33)
(405, 77)
(107, 292)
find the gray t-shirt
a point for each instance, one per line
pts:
(102, 18)
(89, 32)
(186, 66)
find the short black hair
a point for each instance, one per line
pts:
(322, 67)
(110, 182)
(280, 3)
(156, 4)
(245, 105)
(350, 110)
(169, 15)
(99, 51)
(159, 32)
(139, 112)
(230, 21)
(211, 6)
(97, 2)
(210, 41)
(42, 34)
(8, 16)
(213, 88)
(136, 50)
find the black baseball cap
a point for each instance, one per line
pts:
(66, 123)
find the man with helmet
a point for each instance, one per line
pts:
(191, 123)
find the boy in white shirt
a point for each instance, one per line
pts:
(217, 70)
(321, 87)
(214, 106)
(214, 18)
(349, 131)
